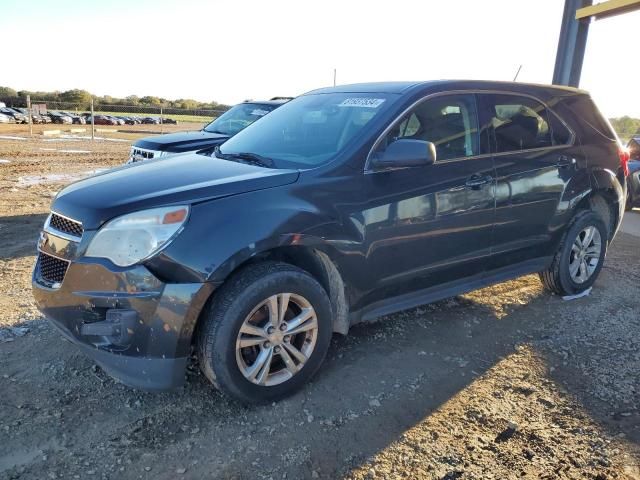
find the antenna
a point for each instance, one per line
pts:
(517, 73)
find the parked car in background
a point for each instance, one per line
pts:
(633, 191)
(116, 120)
(35, 117)
(17, 116)
(128, 120)
(59, 118)
(169, 121)
(77, 119)
(150, 120)
(6, 118)
(102, 120)
(213, 134)
(343, 205)
(45, 118)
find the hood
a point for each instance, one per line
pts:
(180, 179)
(182, 141)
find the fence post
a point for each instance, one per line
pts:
(29, 113)
(93, 123)
(161, 128)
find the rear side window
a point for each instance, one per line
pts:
(450, 122)
(561, 134)
(522, 123)
(592, 126)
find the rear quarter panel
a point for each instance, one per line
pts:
(600, 145)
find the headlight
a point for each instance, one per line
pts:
(134, 237)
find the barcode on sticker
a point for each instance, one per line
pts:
(362, 102)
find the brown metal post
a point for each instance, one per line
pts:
(29, 113)
(93, 123)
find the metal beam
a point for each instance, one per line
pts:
(571, 45)
(606, 9)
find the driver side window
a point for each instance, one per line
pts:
(449, 122)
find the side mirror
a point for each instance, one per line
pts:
(405, 152)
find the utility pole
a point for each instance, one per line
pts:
(334, 77)
(571, 45)
(573, 34)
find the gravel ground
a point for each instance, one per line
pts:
(505, 382)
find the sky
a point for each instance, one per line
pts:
(229, 51)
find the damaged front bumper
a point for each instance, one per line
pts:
(136, 327)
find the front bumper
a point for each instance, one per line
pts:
(138, 328)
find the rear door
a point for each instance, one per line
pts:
(535, 160)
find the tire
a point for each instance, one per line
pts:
(234, 306)
(558, 277)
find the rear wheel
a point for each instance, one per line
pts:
(266, 333)
(579, 259)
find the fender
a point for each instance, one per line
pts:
(574, 194)
(311, 253)
(614, 187)
(262, 247)
(605, 179)
(247, 225)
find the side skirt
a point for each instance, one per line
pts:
(450, 289)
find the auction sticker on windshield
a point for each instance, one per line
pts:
(362, 102)
(259, 113)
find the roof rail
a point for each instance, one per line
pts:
(281, 98)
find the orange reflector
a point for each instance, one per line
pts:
(176, 216)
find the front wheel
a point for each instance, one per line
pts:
(266, 333)
(579, 259)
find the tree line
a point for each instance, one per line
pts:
(83, 99)
(626, 126)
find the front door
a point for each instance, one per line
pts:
(428, 225)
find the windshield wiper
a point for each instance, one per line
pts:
(215, 131)
(246, 157)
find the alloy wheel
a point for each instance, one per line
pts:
(276, 339)
(585, 254)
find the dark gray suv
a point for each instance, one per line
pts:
(342, 205)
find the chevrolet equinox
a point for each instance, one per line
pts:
(341, 206)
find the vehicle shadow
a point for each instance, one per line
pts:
(434, 379)
(19, 235)
(375, 384)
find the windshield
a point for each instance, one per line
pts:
(238, 118)
(310, 130)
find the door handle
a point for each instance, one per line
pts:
(476, 181)
(564, 161)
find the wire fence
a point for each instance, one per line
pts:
(33, 116)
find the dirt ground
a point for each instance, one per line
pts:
(505, 382)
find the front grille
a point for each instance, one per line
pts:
(138, 154)
(51, 269)
(65, 225)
